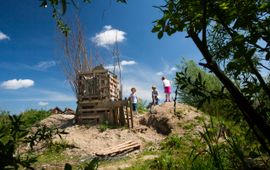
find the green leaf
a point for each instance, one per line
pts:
(121, 1)
(156, 28)
(64, 7)
(44, 4)
(160, 34)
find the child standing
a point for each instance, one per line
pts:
(134, 99)
(167, 88)
(154, 96)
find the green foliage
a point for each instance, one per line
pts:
(9, 141)
(142, 104)
(233, 37)
(32, 116)
(59, 9)
(201, 89)
(15, 134)
(4, 119)
(43, 134)
(172, 142)
(165, 161)
(226, 149)
(90, 165)
(220, 145)
(103, 126)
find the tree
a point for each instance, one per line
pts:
(233, 37)
(76, 57)
(59, 8)
(198, 86)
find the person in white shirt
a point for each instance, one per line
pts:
(167, 88)
(134, 99)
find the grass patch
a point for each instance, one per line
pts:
(189, 126)
(55, 152)
(32, 116)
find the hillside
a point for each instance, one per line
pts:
(150, 129)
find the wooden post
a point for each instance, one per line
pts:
(114, 116)
(131, 114)
(122, 115)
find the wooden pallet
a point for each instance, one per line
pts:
(123, 148)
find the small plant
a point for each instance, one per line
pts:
(172, 142)
(165, 161)
(212, 147)
(43, 133)
(91, 165)
(32, 116)
(10, 139)
(142, 106)
(59, 146)
(103, 127)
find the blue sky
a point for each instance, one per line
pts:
(31, 76)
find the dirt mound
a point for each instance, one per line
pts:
(164, 120)
(58, 120)
(149, 130)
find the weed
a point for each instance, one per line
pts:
(188, 126)
(60, 146)
(32, 116)
(172, 142)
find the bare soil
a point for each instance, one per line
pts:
(89, 139)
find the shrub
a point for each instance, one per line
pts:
(32, 116)
(142, 104)
(172, 142)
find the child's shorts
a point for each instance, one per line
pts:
(134, 107)
(167, 89)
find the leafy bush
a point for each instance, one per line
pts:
(198, 88)
(10, 139)
(172, 142)
(142, 104)
(14, 135)
(32, 116)
(227, 149)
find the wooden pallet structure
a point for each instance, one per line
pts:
(99, 99)
(123, 148)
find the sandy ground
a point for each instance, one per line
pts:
(89, 140)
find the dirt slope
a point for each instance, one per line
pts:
(89, 140)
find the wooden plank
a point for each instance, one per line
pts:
(89, 101)
(94, 109)
(117, 148)
(89, 117)
(124, 147)
(120, 150)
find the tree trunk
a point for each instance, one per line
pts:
(250, 114)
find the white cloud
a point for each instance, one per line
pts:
(124, 62)
(44, 65)
(173, 69)
(167, 71)
(142, 78)
(43, 103)
(160, 73)
(108, 36)
(109, 67)
(3, 36)
(17, 84)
